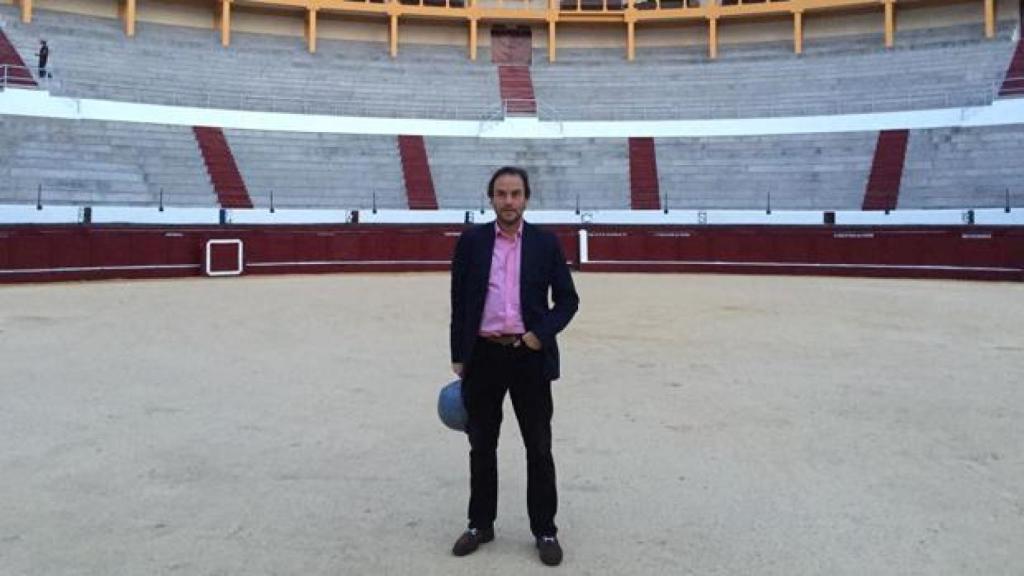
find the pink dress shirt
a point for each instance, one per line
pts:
(502, 314)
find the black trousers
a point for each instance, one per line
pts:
(494, 370)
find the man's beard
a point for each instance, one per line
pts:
(510, 216)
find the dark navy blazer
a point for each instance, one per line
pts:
(542, 269)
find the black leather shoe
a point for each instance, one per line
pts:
(471, 540)
(549, 550)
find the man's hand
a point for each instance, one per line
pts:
(457, 368)
(532, 342)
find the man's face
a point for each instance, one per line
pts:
(509, 199)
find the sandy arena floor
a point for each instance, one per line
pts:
(705, 425)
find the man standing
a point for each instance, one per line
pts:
(44, 56)
(503, 339)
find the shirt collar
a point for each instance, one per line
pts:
(499, 232)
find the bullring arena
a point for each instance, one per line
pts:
(704, 425)
(796, 229)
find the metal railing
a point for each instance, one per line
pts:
(41, 199)
(17, 77)
(1012, 87)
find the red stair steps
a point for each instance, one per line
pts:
(643, 175)
(517, 90)
(512, 51)
(1013, 84)
(13, 71)
(883, 190)
(221, 166)
(419, 183)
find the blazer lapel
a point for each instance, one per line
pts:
(486, 255)
(525, 250)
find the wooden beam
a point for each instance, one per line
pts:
(890, 24)
(311, 30)
(225, 23)
(798, 32)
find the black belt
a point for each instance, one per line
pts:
(514, 340)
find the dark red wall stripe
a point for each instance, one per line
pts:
(643, 175)
(220, 164)
(419, 182)
(883, 189)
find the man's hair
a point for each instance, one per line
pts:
(509, 171)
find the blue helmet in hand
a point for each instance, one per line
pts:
(450, 407)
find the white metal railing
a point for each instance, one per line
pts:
(40, 198)
(1013, 86)
(16, 77)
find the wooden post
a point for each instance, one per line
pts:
(890, 25)
(630, 40)
(129, 18)
(225, 22)
(26, 11)
(311, 30)
(394, 35)
(990, 19)
(472, 38)
(552, 42)
(798, 32)
(713, 38)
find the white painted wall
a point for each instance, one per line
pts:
(19, 214)
(42, 104)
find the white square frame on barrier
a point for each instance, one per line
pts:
(222, 242)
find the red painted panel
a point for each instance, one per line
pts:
(110, 249)
(375, 246)
(310, 246)
(148, 248)
(66, 248)
(5, 250)
(29, 251)
(787, 247)
(694, 245)
(425, 247)
(224, 257)
(339, 247)
(274, 246)
(181, 248)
